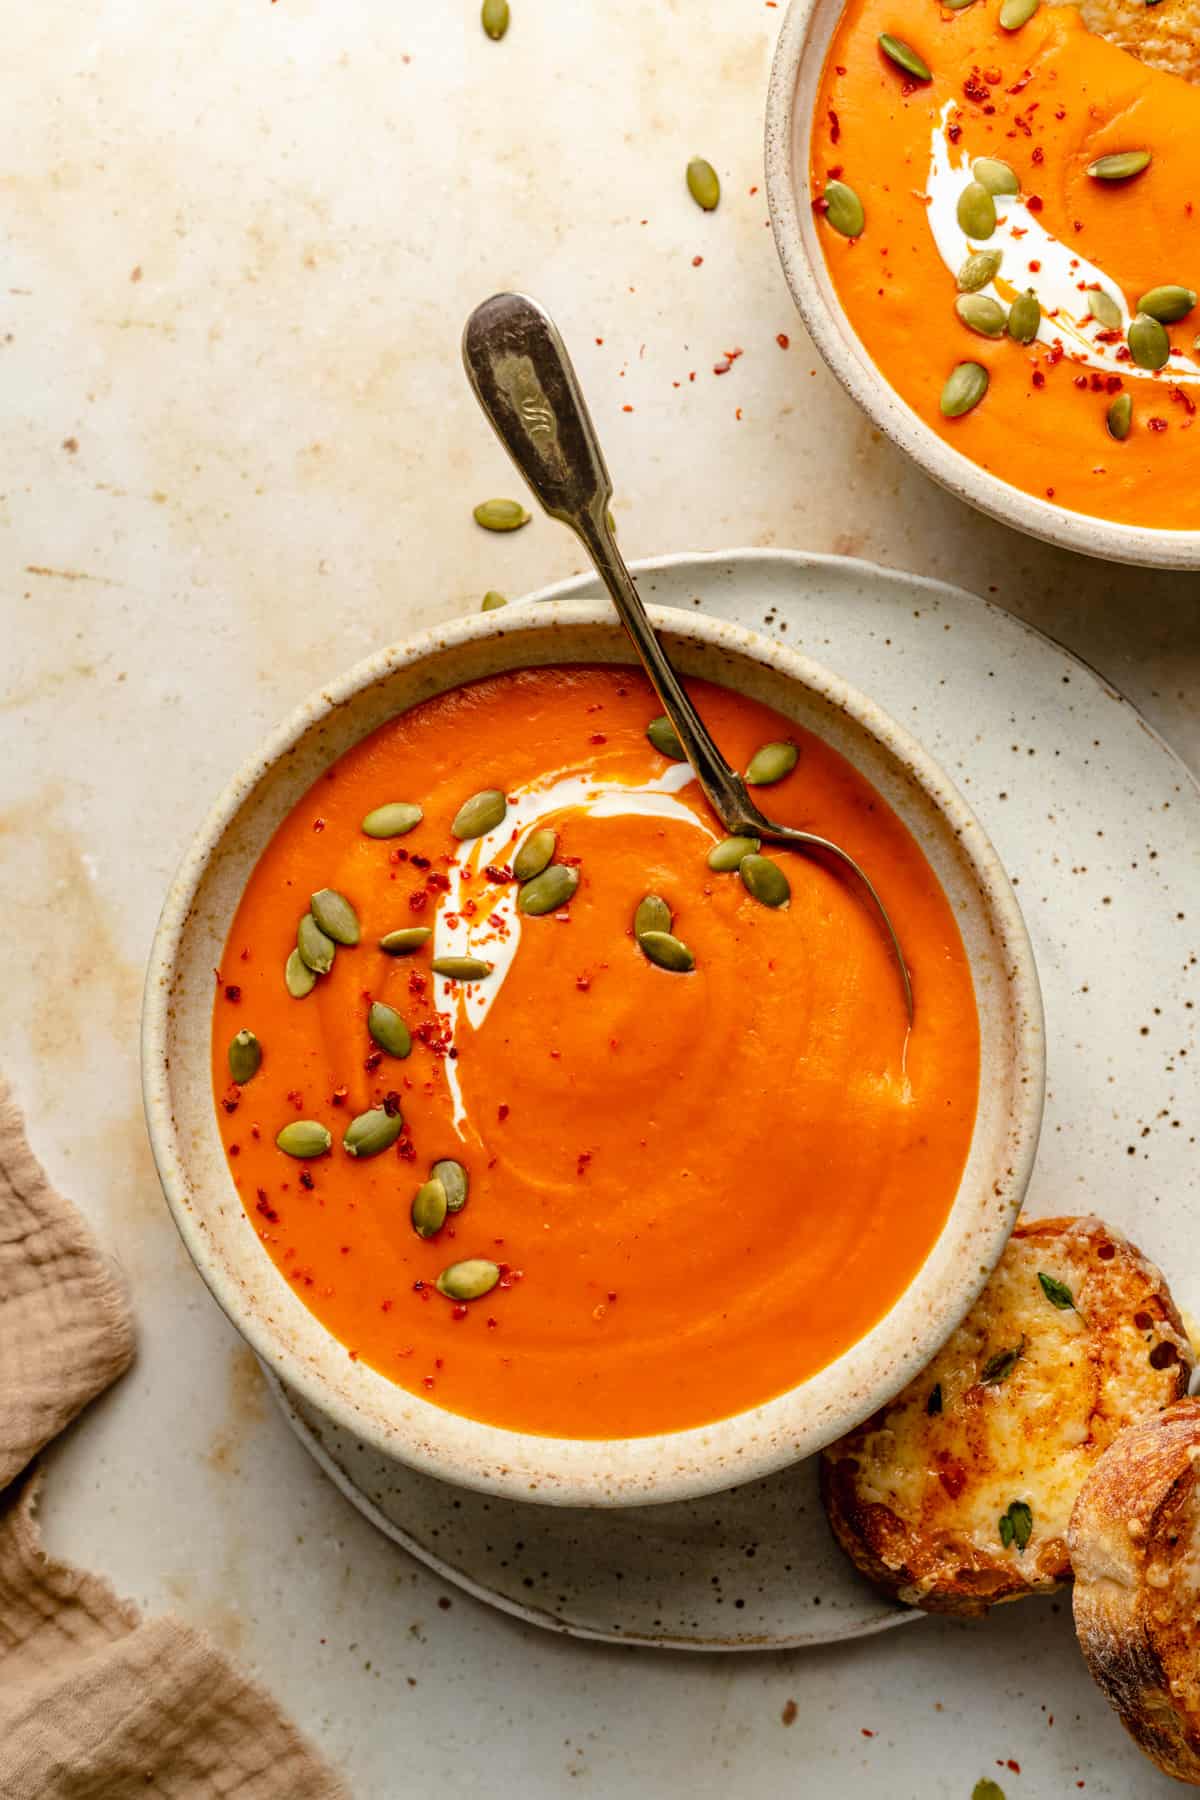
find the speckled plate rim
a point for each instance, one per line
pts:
(670, 1466)
(795, 74)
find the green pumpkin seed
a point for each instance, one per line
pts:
(653, 914)
(429, 1209)
(395, 819)
(976, 211)
(1167, 303)
(979, 312)
(1120, 166)
(726, 858)
(535, 854)
(980, 268)
(772, 763)
(454, 1180)
(765, 881)
(1149, 344)
(1119, 417)
(501, 515)
(245, 1057)
(1024, 317)
(494, 17)
(469, 1280)
(335, 915)
(403, 943)
(667, 952)
(317, 950)
(304, 1137)
(1015, 13)
(996, 176)
(704, 184)
(298, 978)
(480, 814)
(461, 968)
(550, 890)
(1104, 309)
(492, 601)
(844, 209)
(965, 387)
(372, 1132)
(957, 5)
(905, 57)
(388, 1029)
(663, 736)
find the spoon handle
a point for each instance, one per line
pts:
(522, 376)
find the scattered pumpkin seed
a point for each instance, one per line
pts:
(372, 1132)
(1119, 417)
(765, 880)
(454, 1180)
(304, 1137)
(429, 1208)
(976, 211)
(980, 267)
(335, 915)
(388, 1029)
(1057, 1292)
(653, 914)
(666, 951)
(317, 949)
(404, 942)
(1149, 344)
(1167, 303)
(245, 1057)
(480, 814)
(469, 1280)
(535, 854)
(492, 601)
(704, 184)
(771, 763)
(965, 387)
(987, 1789)
(979, 312)
(727, 857)
(1024, 317)
(395, 819)
(957, 5)
(1015, 13)
(549, 890)
(298, 978)
(844, 209)
(501, 515)
(905, 57)
(996, 176)
(494, 17)
(461, 968)
(665, 738)
(1120, 165)
(1104, 309)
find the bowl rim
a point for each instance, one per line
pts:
(668, 1466)
(845, 356)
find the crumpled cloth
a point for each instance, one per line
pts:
(97, 1703)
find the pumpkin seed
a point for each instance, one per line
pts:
(304, 1137)
(429, 1209)
(976, 211)
(1104, 309)
(1120, 165)
(666, 952)
(844, 209)
(1015, 13)
(492, 601)
(1024, 317)
(317, 950)
(335, 915)
(979, 312)
(653, 914)
(388, 1029)
(395, 819)
(957, 5)
(772, 763)
(469, 1280)
(727, 856)
(1149, 344)
(1119, 417)
(494, 17)
(965, 387)
(245, 1057)
(298, 978)
(663, 736)
(765, 880)
(501, 515)
(996, 176)
(372, 1132)
(461, 968)
(1167, 303)
(454, 1180)
(980, 268)
(549, 890)
(535, 854)
(704, 184)
(480, 814)
(404, 942)
(905, 57)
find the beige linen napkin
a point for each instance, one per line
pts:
(95, 1702)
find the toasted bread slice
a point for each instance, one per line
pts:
(958, 1494)
(1135, 1548)
(1164, 35)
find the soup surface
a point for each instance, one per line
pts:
(698, 1186)
(1049, 100)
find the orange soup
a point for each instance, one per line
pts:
(1084, 393)
(698, 1162)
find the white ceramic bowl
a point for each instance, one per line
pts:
(223, 1243)
(795, 78)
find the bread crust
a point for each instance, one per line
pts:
(922, 1496)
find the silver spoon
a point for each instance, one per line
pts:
(522, 376)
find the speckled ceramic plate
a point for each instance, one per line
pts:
(1099, 827)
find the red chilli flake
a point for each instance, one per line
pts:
(1035, 203)
(263, 1205)
(783, 340)
(306, 1180)
(233, 994)
(954, 131)
(1039, 380)
(1039, 155)
(835, 126)
(975, 89)
(1157, 424)
(1181, 399)
(418, 901)
(696, 261)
